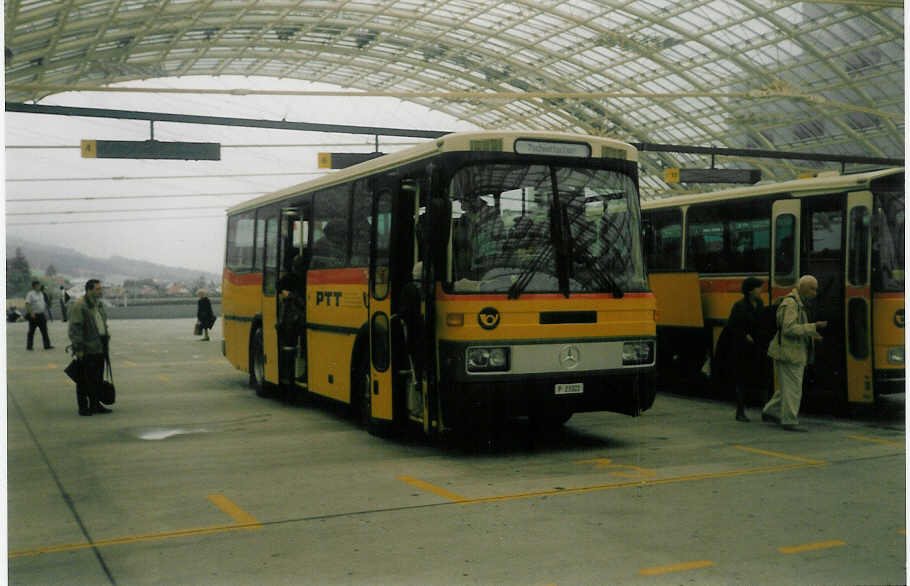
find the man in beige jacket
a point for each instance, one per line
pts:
(792, 348)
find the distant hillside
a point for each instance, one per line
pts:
(75, 264)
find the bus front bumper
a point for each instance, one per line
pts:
(630, 393)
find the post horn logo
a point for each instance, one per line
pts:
(899, 318)
(488, 318)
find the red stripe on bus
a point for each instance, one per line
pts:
(859, 291)
(242, 278)
(355, 276)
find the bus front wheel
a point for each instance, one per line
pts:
(257, 362)
(363, 395)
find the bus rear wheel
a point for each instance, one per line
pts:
(257, 363)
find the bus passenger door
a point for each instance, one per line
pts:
(380, 307)
(823, 258)
(858, 293)
(295, 230)
(269, 225)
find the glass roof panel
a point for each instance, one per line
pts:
(792, 56)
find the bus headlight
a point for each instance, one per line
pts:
(896, 355)
(637, 353)
(487, 359)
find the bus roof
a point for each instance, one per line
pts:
(797, 187)
(460, 141)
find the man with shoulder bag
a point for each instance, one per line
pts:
(792, 348)
(89, 336)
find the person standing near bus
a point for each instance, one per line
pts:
(204, 314)
(64, 301)
(36, 311)
(739, 350)
(89, 336)
(792, 349)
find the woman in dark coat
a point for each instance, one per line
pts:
(204, 314)
(739, 349)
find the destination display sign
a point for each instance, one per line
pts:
(552, 148)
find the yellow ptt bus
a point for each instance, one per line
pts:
(846, 230)
(476, 275)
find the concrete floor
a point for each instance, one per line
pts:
(195, 480)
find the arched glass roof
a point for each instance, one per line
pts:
(822, 77)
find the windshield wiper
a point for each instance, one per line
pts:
(524, 279)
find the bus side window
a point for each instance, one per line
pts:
(360, 226)
(331, 237)
(705, 250)
(784, 251)
(858, 265)
(663, 240)
(270, 238)
(240, 252)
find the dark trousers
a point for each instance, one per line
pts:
(90, 377)
(39, 320)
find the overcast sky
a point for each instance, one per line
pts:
(176, 234)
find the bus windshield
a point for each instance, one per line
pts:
(544, 229)
(888, 241)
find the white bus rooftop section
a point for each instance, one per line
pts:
(797, 188)
(530, 143)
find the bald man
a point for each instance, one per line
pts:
(792, 349)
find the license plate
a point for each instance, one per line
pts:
(570, 389)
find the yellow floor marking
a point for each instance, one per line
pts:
(600, 487)
(244, 521)
(598, 462)
(131, 539)
(51, 365)
(864, 438)
(675, 568)
(780, 455)
(129, 363)
(235, 512)
(164, 377)
(434, 489)
(811, 546)
(29, 368)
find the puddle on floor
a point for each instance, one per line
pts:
(176, 429)
(160, 433)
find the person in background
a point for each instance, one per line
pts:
(64, 301)
(792, 349)
(740, 342)
(47, 303)
(36, 312)
(90, 339)
(204, 314)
